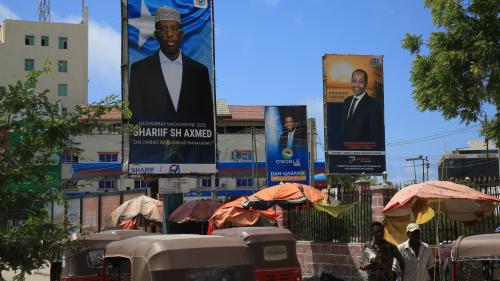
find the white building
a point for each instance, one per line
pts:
(28, 45)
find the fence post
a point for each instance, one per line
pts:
(381, 195)
(283, 221)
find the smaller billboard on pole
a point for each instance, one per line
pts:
(354, 114)
(286, 144)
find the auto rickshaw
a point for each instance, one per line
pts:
(476, 258)
(179, 257)
(85, 264)
(273, 249)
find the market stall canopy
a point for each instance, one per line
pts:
(198, 210)
(284, 194)
(143, 207)
(419, 203)
(234, 213)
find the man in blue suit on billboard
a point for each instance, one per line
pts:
(169, 86)
(363, 116)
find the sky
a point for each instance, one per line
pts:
(269, 52)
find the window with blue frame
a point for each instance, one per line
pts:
(206, 182)
(68, 158)
(108, 157)
(107, 184)
(243, 155)
(140, 184)
(244, 182)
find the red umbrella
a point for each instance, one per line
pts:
(198, 210)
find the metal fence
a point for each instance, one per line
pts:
(449, 230)
(352, 226)
(92, 210)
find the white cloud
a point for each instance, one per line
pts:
(6, 13)
(272, 3)
(104, 60)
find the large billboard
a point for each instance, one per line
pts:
(286, 144)
(170, 87)
(353, 96)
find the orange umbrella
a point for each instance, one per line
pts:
(233, 212)
(198, 210)
(286, 193)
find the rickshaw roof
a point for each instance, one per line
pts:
(177, 251)
(111, 235)
(476, 246)
(257, 234)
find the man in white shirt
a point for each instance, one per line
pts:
(419, 260)
(170, 88)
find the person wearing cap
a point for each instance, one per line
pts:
(169, 83)
(378, 255)
(418, 257)
(362, 118)
(170, 86)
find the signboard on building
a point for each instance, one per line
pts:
(353, 96)
(286, 144)
(170, 86)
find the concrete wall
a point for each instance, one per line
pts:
(340, 260)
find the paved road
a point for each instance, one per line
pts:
(38, 275)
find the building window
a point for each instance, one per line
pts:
(108, 157)
(206, 182)
(63, 42)
(29, 40)
(140, 184)
(62, 66)
(244, 182)
(68, 158)
(44, 41)
(29, 64)
(107, 184)
(62, 90)
(243, 155)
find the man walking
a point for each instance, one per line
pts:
(417, 256)
(378, 256)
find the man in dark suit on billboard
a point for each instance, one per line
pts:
(170, 86)
(363, 116)
(168, 83)
(294, 133)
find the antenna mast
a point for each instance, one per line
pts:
(44, 11)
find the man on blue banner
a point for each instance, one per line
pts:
(168, 83)
(171, 88)
(294, 134)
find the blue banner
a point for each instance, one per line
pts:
(170, 89)
(286, 144)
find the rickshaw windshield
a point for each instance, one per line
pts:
(478, 270)
(117, 269)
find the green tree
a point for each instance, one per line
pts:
(459, 74)
(28, 237)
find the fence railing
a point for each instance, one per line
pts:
(449, 230)
(352, 226)
(92, 210)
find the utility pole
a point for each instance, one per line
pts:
(423, 166)
(427, 164)
(487, 159)
(311, 138)
(420, 157)
(256, 160)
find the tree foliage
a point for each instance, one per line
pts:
(28, 237)
(460, 73)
